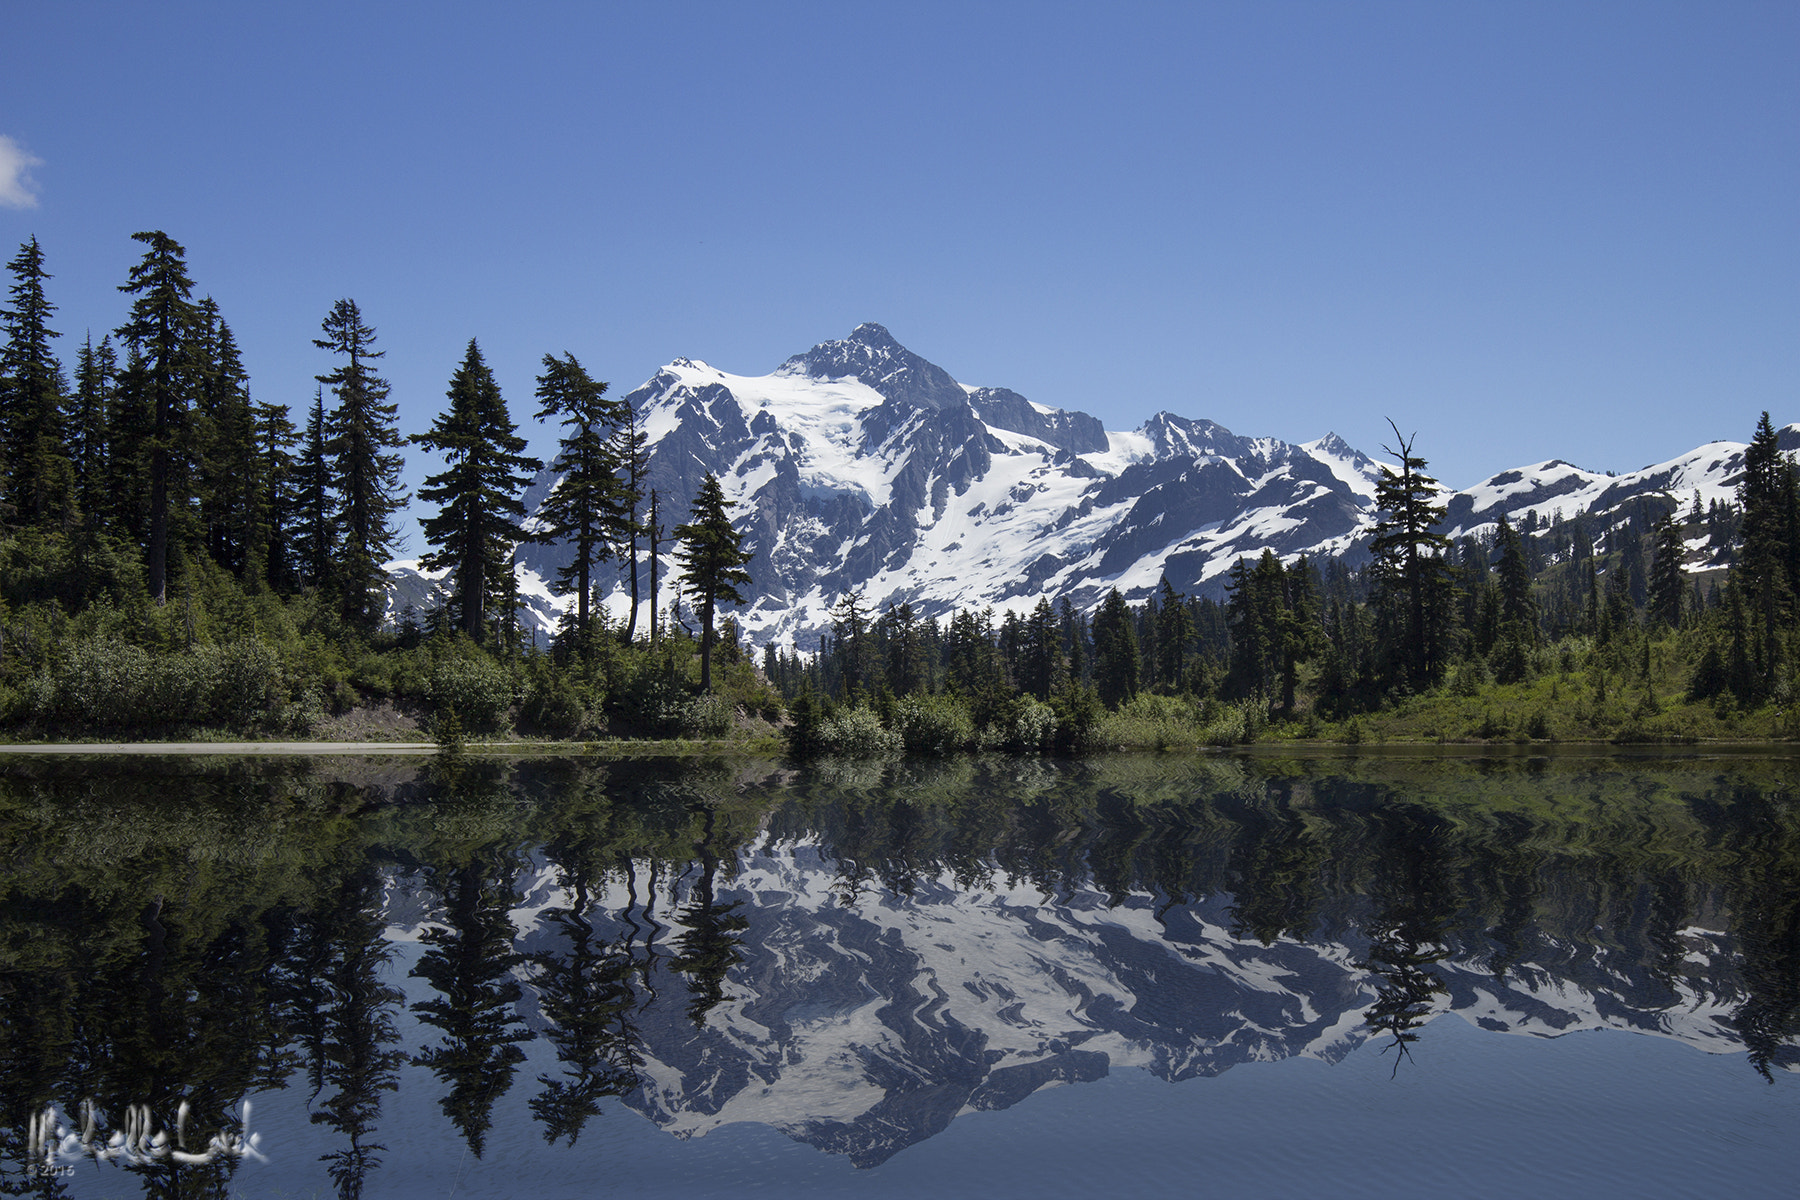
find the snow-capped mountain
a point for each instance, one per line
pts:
(858, 466)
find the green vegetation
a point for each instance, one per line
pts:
(1589, 629)
(177, 559)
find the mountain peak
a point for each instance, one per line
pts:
(873, 336)
(872, 355)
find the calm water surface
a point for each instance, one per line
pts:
(1366, 977)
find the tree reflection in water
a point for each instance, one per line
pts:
(210, 933)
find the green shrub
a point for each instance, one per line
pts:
(475, 687)
(857, 733)
(551, 705)
(937, 725)
(1027, 725)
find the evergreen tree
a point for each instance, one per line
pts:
(713, 557)
(1769, 548)
(1042, 668)
(855, 650)
(89, 435)
(478, 493)
(1174, 637)
(232, 490)
(1668, 582)
(275, 441)
(129, 427)
(1413, 589)
(634, 466)
(314, 531)
(1517, 608)
(40, 481)
(1116, 662)
(160, 377)
(361, 446)
(588, 508)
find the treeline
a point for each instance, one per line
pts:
(174, 552)
(1586, 630)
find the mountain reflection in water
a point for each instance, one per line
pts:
(852, 955)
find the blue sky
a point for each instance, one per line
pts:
(1521, 230)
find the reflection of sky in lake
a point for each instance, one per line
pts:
(957, 1007)
(1475, 1114)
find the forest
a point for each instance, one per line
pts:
(178, 559)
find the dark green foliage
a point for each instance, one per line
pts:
(591, 508)
(478, 494)
(1413, 591)
(159, 382)
(39, 483)
(312, 533)
(96, 376)
(1768, 566)
(712, 556)
(1116, 662)
(360, 444)
(1668, 582)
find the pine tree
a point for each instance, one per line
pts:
(1668, 582)
(314, 531)
(855, 652)
(1174, 637)
(1116, 661)
(232, 491)
(275, 440)
(588, 508)
(160, 378)
(96, 373)
(40, 481)
(1413, 589)
(478, 494)
(1517, 609)
(634, 466)
(713, 558)
(361, 445)
(1769, 554)
(1042, 668)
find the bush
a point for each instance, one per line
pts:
(551, 704)
(1470, 677)
(857, 733)
(1027, 725)
(475, 687)
(933, 725)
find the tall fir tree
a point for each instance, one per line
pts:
(362, 448)
(713, 558)
(478, 494)
(1116, 660)
(89, 429)
(1517, 609)
(276, 440)
(634, 468)
(1668, 582)
(232, 491)
(589, 506)
(314, 527)
(160, 380)
(40, 479)
(1768, 563)
(1413, 589)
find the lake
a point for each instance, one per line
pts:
(1371, 975)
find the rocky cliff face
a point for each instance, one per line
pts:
(859, 466)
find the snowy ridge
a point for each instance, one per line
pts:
(860, 467)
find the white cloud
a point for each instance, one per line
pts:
(17, 188)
